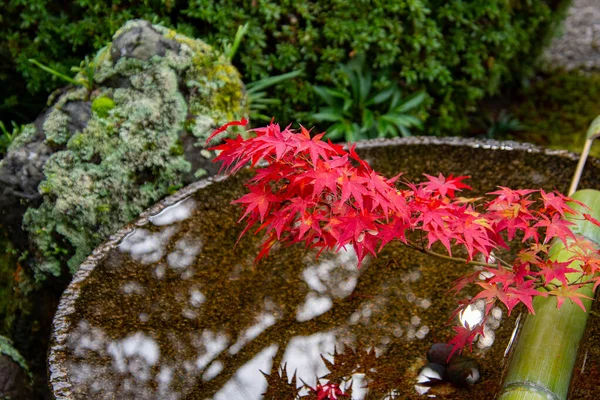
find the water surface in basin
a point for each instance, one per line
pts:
(177, 310)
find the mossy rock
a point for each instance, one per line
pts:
(103, 154)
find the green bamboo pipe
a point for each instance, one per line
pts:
(592, 134)
(544, 356)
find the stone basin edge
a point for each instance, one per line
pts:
(58, 380)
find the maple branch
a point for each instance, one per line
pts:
(424, 250)
(320, 194)
(449, 258)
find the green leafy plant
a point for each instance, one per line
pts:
(85, 72)
(229, 49)
(429, 43)
(258, 96)
(360, 112)
(500, 125)
(84, 77)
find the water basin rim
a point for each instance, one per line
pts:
(57, 374)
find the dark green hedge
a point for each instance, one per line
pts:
(458, 51)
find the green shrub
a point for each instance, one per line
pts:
(456, 51)
(361, 111)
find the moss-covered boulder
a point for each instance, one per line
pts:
(132, 133)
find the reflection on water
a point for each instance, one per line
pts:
(177, 310)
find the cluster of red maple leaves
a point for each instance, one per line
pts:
(317, 193)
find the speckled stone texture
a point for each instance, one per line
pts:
(578, 46)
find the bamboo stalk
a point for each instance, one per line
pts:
(592, 134)
(546, 350)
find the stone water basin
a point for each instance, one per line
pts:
(172, 308)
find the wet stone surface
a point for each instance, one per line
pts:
(173, 309)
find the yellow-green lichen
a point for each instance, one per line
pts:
(215, 87)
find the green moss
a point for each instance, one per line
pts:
(27, 134)
(126, 159)
(557, 108)
(102, 105)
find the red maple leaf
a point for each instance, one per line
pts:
(259, 198)
(593, 220)
(524, 293)
(556, 227)
(353, 186)
(315, 147)
(492, 292)
(465, 280)
(570, 292)
(463, 337)
(556, 203)
(551, 270)
(242, 122)
(445, 186)
(509, 195)
(328, 391)
(501, 276)
(323, 176)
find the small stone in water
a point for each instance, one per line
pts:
(431, 373)
(439, 353)
(463, 371)
(496, 312)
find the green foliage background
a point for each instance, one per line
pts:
(458, 51)
(556, 109)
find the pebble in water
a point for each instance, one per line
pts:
(431, 373)
(459, 370)
(439, 353)
(463, 371)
